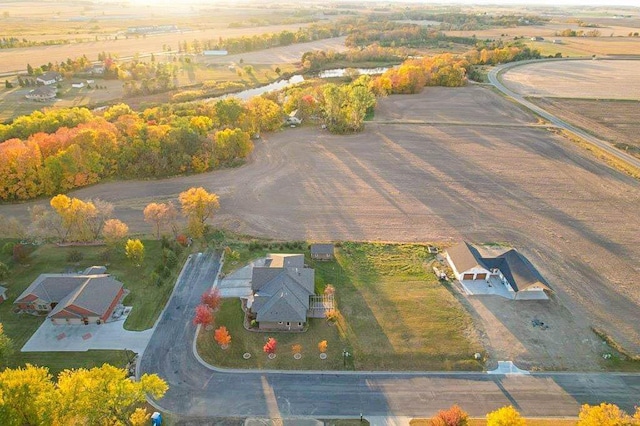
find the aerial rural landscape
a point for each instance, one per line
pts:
(322, 213)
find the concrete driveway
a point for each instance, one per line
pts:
(238, 283)
(72, 338)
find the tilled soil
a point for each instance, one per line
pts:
(576, 219)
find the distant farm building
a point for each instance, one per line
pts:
(77, 84)
(49, 78)
(43, 93)
(215, 53)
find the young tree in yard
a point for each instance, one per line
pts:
(198, 206)
(203, 315)
(322, 346)
(114, 231)
(75, 215)
(103, 211)
(505, 416)
(134, 249)
(270, 346)
(605, 415)
(222, 336)
(296, 349)
(4, 271)
(329, 290)
(454, 416)
(211, 298)
(159, 214)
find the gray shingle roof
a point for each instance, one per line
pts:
(94, 270)
(322, 249)
(53, 287)
(465, 257)
(281, 294)
(95, 295)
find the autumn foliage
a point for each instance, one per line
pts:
(296, 349)
(606, 415)
(453, 416)
(222, 336)
(211, 298)
(322, 346)
(203, 315)
(270, 346)
(505, 416)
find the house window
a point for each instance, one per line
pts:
(280, 322)
(299, 324)
(42, 307)
(288, 324)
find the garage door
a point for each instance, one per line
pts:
(467, 277)
(481, 277)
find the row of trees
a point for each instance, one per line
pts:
(155, 143)
(101, 395)
(316, 60)
(596, 415)
(396, 34)
(73, 219)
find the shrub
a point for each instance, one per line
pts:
(74, 256)
(4, 271)
(170, 258)
(8, 248)
(182, 240)
(20, 253)
(454, 416)
(254, 324)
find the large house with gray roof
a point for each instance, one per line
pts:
(281, 290)
(509, 269)
(72, 298)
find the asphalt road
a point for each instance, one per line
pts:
(494, 78)
(198, 391)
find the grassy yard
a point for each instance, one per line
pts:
(146, 298)
(394, 315)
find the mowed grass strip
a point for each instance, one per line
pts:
(394, 315)
(146, 297)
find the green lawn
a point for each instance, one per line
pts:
(395, 315)
(146, 298)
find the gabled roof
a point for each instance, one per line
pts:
(53, 287)
(49, 75)
(95, 295)
(281, 289)
(465, 257)
(517, 270)
(95, 270)
(322, 249)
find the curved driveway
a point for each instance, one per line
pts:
(494, 78)
(199, 391)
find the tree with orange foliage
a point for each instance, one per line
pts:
(114, 231)
(270, 346)
(322, 346)
(296, 349)
(454, 416)
(222, 336)
(159, 214)
(203, 315)
(211, 298)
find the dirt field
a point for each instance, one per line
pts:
(598, 79)
(614, 121)
(574, 218)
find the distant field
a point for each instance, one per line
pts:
(614, 121)
(598, 79)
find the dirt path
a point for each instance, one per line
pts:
(576, 219)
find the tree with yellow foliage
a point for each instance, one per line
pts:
(197, 206)
(134, 249)
(75, 215)
(101, 395)
(606, 415)
(505, 416)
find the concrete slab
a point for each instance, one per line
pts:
(494, 288)
(389, 421)
(50, 337)
(238, 283)
(508, 368)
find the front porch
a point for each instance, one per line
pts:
(493, 287)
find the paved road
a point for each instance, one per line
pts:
(494, 78)
(198, 391)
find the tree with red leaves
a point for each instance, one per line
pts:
(270, 346)
(222, 336)
(454, 416)
(211, 299)
(203, 315)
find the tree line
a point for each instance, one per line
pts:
(58, 150)
(396, 34)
